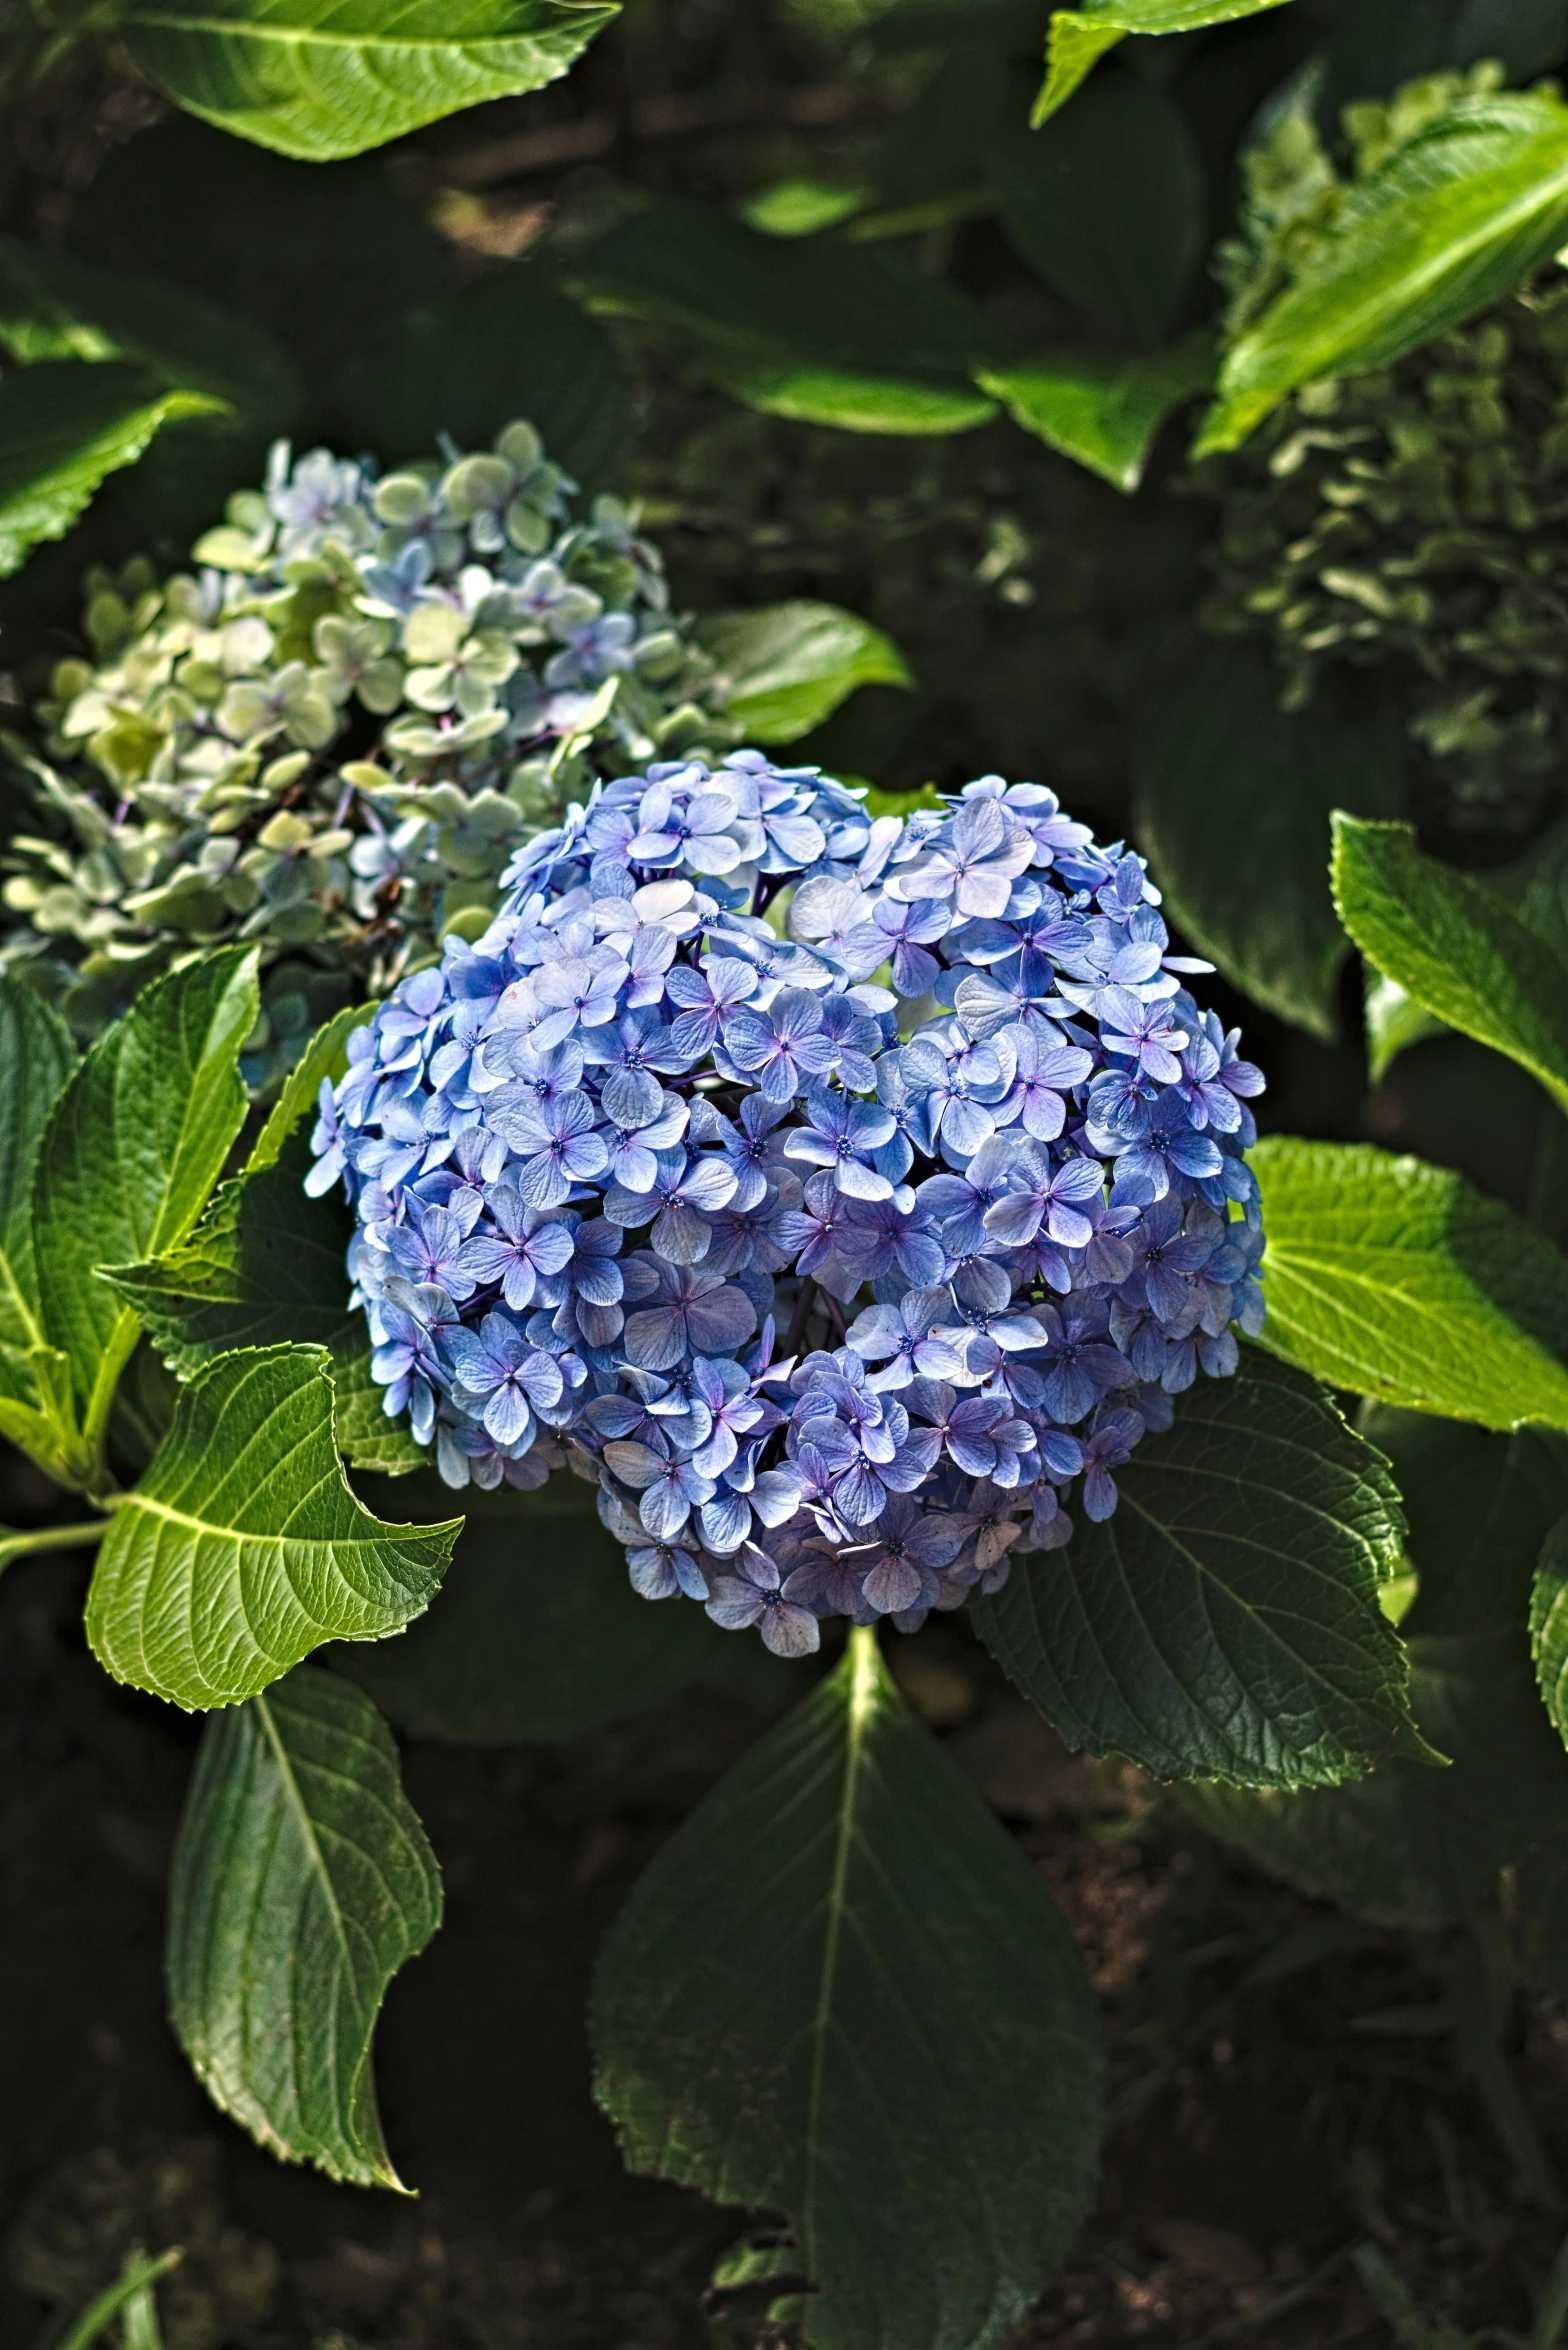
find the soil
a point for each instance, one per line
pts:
(1268, 2154)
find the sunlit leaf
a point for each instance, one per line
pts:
(783, 668)
(325, 78)
(64, 425)
(1100, 409)
(242, 1548)
(1394, 1279)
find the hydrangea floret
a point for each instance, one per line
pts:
(332, 734)
(845, 1196)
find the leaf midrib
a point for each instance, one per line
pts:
(865, 1666)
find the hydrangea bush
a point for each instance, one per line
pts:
(843, 1250)
(333, 733)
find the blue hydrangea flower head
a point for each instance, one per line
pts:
(844, 1196)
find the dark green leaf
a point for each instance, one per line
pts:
(1549, 1624)
(64, 424)
(1420, 1849)
(1099, 409)
(1396, 1280)
(1224, 1623)
(53, 306)
(806, 327)
(319, 80)
(1371, 51)
(1107, 203)
(536, 1633)
(302, 1881)
(1451, 944)
(508, 345)
(1081, 36)
(783, 668)
(266, 1267)
(1234, 797)
(841, 1991)
(133, 1148)
(1478, 1507)
(242, 1548)
(318, 255)
(36, 1058)
(1455, 217)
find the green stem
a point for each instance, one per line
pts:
(140, 2272)
(16, 1546)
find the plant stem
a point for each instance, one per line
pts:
(80, 1537)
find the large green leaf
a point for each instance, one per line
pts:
(1080, 37)
(302, 1881)
(1107, 202)
(1394, 1279)
(1224, 1623)
(783, 668)
(1453, 946)
(53, 306)
(807, 327)
(64, 424)
(242, 1548)
(1099, 408)
(841, 1991)
(327, 78)
(36, 1058)
(1454, 218)
(134, 1147)
(537, 1634)
(1224, 764)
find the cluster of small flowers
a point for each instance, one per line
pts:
(333, 734)
(954, 1124)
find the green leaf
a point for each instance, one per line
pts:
(1102, 410)
(266, 1267)
(36, 1058)
(302, 1881)
(841, 1991)
(1394, 1022)
(53, 306)
(1451, 944)
(507, 345)
(1549, 1625)
(805, 327)
(326, 1056)
(1454, 218)
(242, 1548)
(1224, 1623)
(1396, 1280)
(318, 257)
(852, 399)
(133, 1148)
(537, 1634)
(64, 424)
(1080, 37)
(1107, 203)
(783, 668)
(1478, 1507)
(318, 80)
(1262, 909)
